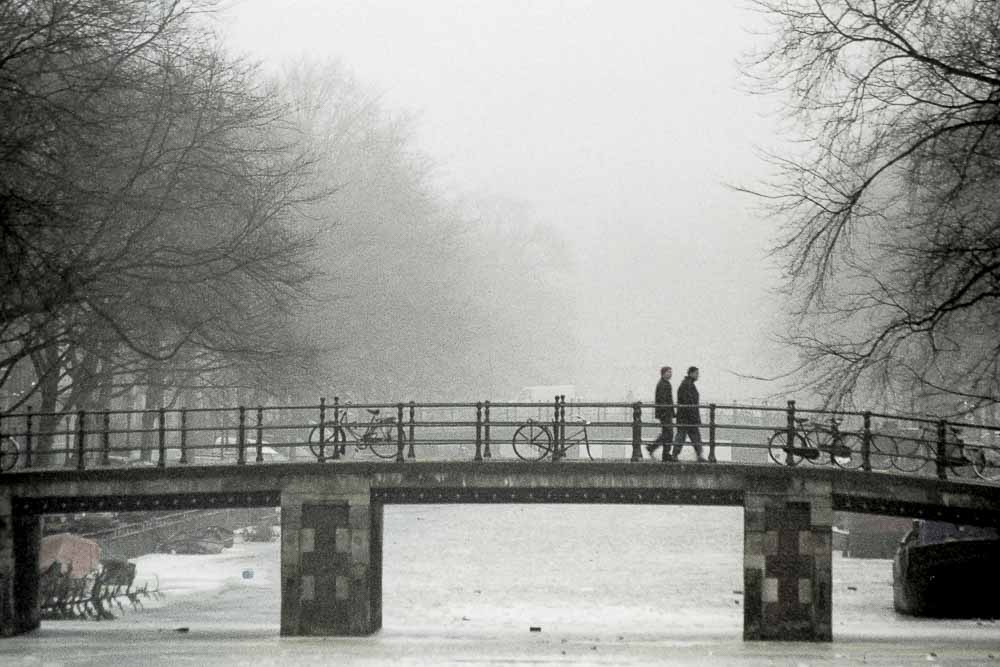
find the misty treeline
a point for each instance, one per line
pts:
(890, 197)
(180, 229)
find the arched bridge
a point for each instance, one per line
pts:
(332, 492)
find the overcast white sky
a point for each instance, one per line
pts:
(617, 122)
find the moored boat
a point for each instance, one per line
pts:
(72, 555)
(947, 571)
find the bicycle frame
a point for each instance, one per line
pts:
(574, 439)
(835, 445)
(815, 439)
(534, 440)
(377, 436)
(373, 427)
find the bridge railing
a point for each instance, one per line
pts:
(559, 430)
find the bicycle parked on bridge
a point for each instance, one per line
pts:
(9, 453)
(914, 454)
(815, 441)
(533, 440)
(377, 435)
(985, 461)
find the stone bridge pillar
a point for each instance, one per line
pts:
(787, 562)
(331, 559)
(20, 542)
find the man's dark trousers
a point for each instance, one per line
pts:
(694, 435)
(664, 439)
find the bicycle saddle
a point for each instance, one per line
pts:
(373, 411)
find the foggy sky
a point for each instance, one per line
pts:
(617, 123)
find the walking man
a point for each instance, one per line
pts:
(688, 415)
(664, 414)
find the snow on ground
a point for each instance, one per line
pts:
(236, 567)
(607, 585)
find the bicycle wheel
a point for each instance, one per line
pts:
(911, 455)
(823, 441)
(383, 440)
(532, 441)
(963, 464)
(778, 450)
(324, 449)
(986, 463)
(847, 453)
(882, 453)
(9, 451)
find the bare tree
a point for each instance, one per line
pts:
(150, 195)
(891, 219)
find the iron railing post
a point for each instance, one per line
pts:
(479, 431)
(322, 427)
(711, 432)
(183, 460)
(555, 430)
(636, 432)
(27, 442)
(941, 462)
(260, 435)
(789, 458)
(106, 438)
(400, 438)
(562, 426)
(162, 443)
(486, 431)
(340, 415)
(413, 414)
(339, 436)
(81, 440)
(866, 443)
(241, 438)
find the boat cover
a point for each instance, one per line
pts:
(77, 555)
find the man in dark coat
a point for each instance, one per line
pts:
(688, 415)
(664, 414)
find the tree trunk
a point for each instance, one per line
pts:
(46, 365)
(154, 400)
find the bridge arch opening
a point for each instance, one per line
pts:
(155, 570)
(612, 572)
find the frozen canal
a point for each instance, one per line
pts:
(607, 585)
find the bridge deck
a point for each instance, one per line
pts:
(496, 482)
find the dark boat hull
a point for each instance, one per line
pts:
(954, 579)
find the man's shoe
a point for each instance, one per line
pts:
(702, 459)
(711, 459)
(650, 449)
(669, 458)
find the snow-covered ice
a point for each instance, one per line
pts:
(605, 584)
